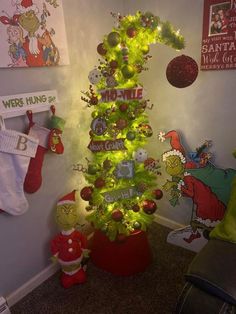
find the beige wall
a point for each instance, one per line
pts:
(205, 110)
(24, 240)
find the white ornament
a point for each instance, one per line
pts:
(95, 76)
(140, 155)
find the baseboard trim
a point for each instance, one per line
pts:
(168, 222)
(37, 280)
(30, 285)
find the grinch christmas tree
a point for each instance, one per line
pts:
(122, 190)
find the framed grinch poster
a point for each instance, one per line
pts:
(32, 33)
(219, 35)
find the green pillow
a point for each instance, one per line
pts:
(226, 229)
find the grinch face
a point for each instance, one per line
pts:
(66, 216)
(174, 166)
(29, 22)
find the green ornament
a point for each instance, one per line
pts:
(130, 135)
(113, 39)
(145, 49)
(136, 225)
(92, 169)
(128, 71)
(234, 153)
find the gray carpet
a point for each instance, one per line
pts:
(154, 291)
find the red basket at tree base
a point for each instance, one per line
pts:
(124, 258)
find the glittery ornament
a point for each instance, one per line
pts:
(149, 207)
(117, 215)
(158, 194)
(99, 183)
(113, 39)
(182, 71)
(121, 124)
(131, 32)
(130, 135)
(86, 193)
(123, 107)
(101, 49)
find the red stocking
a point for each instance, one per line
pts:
(33, 179)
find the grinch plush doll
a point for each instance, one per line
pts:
(69, 247)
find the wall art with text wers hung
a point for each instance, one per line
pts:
(32, 33)
(219, 35)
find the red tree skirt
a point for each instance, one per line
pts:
(125, 258)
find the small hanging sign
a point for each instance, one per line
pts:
(113, 196)
(108, 95)
(109, 145)
(16, 105)
(125, 169)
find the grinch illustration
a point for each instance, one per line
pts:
(31, 33)
(194, 176)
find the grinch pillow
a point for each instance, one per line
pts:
(226, 229)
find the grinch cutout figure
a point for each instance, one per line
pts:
(69, 247)
(194, 176)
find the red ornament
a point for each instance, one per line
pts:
(86, 193)
(117, 215)
(121, 124)
(136, 208)
(149, 207)
(158, 194)
(123, 107)
(99, 183)
(101, 49)
(113, 64)
(131, 32)
(121, 237)
(182, 71)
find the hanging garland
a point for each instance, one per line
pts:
(122, 189)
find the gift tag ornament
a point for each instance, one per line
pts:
(95, 76)
(99, 126)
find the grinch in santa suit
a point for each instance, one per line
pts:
(209, 208)
(69, 247)
(29, 21)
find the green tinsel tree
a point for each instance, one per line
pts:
(122, 179)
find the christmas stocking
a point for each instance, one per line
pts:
(16, 149)
(57, 127)
(33, 179)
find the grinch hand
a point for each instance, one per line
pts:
(69, 247)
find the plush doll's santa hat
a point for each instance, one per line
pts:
(177, 148)
(67, 199)
(25, 5)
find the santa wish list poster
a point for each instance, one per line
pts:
(219, 35)
(32, 33)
